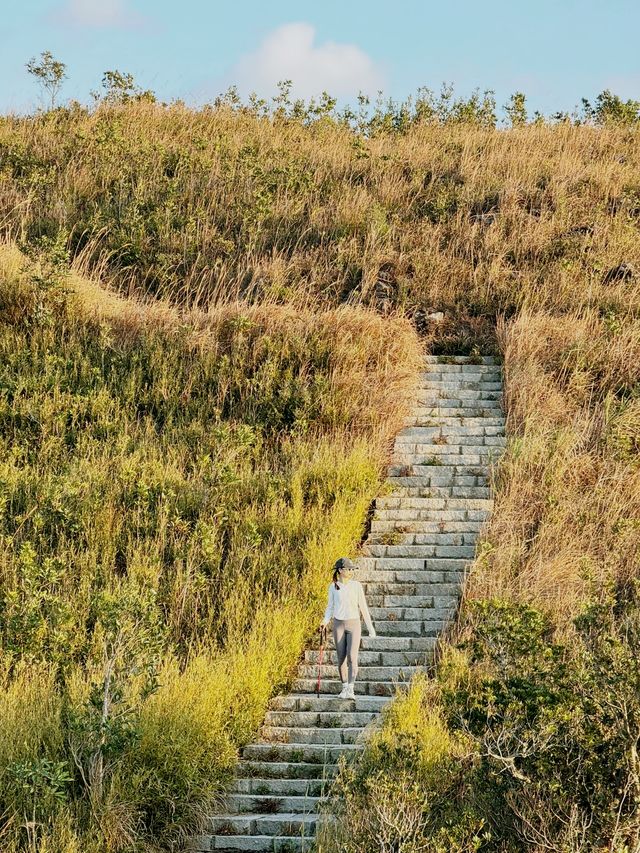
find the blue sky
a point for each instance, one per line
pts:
(556, 51)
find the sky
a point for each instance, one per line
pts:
(556, 51)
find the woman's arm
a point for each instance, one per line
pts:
(328, 613)
(362, 604)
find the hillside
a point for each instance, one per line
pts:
(198, 416)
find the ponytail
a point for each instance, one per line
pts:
(336, 575)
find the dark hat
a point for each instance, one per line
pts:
(344, 563)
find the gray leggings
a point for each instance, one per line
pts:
(346, 637)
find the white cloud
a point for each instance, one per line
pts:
(99, 14)
(290, 53)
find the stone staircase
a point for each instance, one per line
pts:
(423, 535)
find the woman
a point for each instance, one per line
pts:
(346, 602)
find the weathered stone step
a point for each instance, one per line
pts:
(304, 702)
(251, 844)
(429, 410)
(463, 399)
(452, 430)
(415, 516)
(363, 688)
(270, 803)
(462, 359)
(389, 502)
(413, 445)
(473, 492)
(285, 824)
(301, 753)
(435, 476)
(370, 566)
(409, 592)
(389, 600)
(455, 522)
(436, 523)
(463, 367)
(366, 672)
(464, 552)
(454, 533)
(281, 787)
(445, 472)
(457, 420)
(312, 735)
(274, 769)
(383, 658)
(382, 615)
(417, 575)
(458, 383)
(325, 719)
(483, 456)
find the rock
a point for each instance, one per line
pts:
(424, 319)
(622, 272)
(580, 231)
(484, 219)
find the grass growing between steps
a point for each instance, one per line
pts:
(527, 737)
(173, 490)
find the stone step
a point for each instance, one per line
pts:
(366, 672)
(453, 552)
(385, 564)
(251, 844)
(436, 477)
(440, 473)
(382, 615)
(461, 400)
(324, 719)
(382, 658)
(415, 516)
(462, 359)
(445, 458)
(444, 445)
(281, 787)
(285, 824)
(463, 367)
(389, 600)
(312, 735)
(365, 688)
(389, 502)
(417, 576)
(303, 703)
(458, 383)
(453, 431)
(458, 420)
(388, 644)
(456, 521)
(274, 769)
(270, 803)
(453, 533)
(412, 592)
(428, 410)
(472, 492)
(302, 753)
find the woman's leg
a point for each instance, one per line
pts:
(340, 642)
(354, 633)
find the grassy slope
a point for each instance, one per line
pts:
(516, 229)
(173, 488)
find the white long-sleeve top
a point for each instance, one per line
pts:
(347, 601)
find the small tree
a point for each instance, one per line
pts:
(516, 109)
(50, 74)
(120, 88)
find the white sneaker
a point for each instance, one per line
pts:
(350, 694)
(344, 693)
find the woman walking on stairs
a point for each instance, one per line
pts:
(346, 603)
